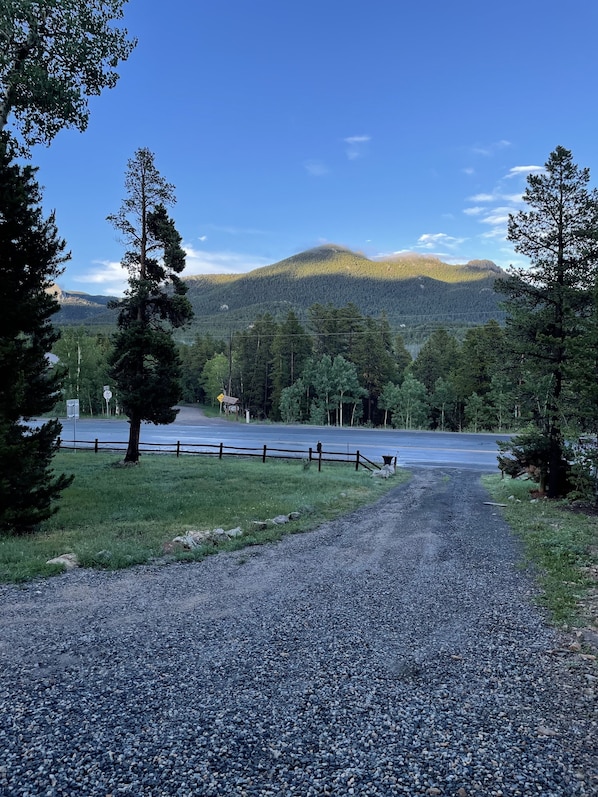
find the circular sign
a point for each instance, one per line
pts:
(107, 395)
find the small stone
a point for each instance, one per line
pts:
(434, 791)
(294, 515)
(279, 520)
(462, 792)
(237, 532)
(68, 560)
(542, 730)
(185, 542)
(259, 525)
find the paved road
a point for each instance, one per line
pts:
(396, 651)
(421, 449)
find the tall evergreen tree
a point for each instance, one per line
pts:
(193, 360)
(402, 357)
(437, 358)
(547, 302)
(375, 362)
(291, 348)
(254, 351)
(31, 255)
(144, 362)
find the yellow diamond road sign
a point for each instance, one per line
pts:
(220, 397)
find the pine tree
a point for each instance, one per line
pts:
(144, 362)
(291, 348)
(546, 303)
(31, 255)
(256, 365)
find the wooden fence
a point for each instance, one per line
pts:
(220, 450)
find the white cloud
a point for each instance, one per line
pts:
(468, 170)
(203, 238)
(230, 230)
(516, 199)
(483, 198)
(497, 216)
(108, 278)
(516, 171)
(316, 168)
(490, 149)
(357, 139)
(223, 262)
(475, 211)
(433, 240)
(356, 146)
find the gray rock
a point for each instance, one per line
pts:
(69, 560)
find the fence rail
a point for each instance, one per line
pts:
(220, 450)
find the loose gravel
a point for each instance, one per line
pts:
(397, 651)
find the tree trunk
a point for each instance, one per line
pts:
(132, 454)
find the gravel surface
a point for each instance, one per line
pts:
(396, 651)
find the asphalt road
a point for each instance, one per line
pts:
(412, 448)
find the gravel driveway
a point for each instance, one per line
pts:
(396, 651)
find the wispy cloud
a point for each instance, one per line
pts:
(487, 150)
(106, 277)
(498, 216)
(110, 279)
(357, 139)
(518, 171)
(492, 209)
(316, 168)
(223, 262)
(356, 146)
(432, 241)
(232, 230)
(482, 198)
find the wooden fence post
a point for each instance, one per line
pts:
(357, 460)
(96, 446)
(264, 454)
(178, 447)
(220, 452)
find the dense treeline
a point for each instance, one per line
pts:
(340, 368)
(344, 368)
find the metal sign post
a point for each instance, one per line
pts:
(72, 411)
(107, 396)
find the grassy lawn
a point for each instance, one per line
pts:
(561, 543)
(113, 517)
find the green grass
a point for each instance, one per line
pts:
(113, 517)
(560, 543)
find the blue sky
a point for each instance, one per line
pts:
(383, 126)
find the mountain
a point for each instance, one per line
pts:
(82, 308)
(413, 291)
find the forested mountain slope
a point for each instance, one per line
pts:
(412, 290)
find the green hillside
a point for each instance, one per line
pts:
(414, 291)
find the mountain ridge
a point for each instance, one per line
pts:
(411, 289)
